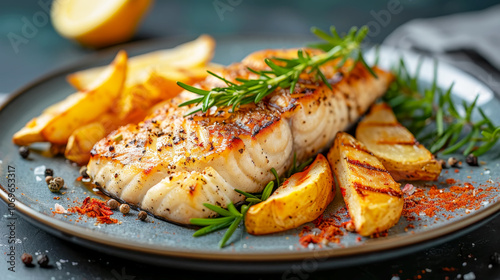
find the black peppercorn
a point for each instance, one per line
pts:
(56, 184)
(27, 259)
(59, 181)
(442, 163)
(112, 204)
(49, 172)
(24, 151)
(124, 208)
(142, 215)
(43, 260)
(53, 186)
(471, 160)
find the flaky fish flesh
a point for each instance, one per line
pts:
(169, 165)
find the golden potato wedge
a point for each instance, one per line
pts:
(155, 87)
(396, 147)
(300, 199)
(374, 200)
(58, 122)
(186, 56)
(82, 140)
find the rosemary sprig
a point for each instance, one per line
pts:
(281, 76)
(231, 218)
(416, 108)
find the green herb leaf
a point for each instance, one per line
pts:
(287, 76)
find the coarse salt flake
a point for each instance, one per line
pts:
(39, 170)
(59, 209)
(469, 276)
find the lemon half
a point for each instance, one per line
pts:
(98, 23)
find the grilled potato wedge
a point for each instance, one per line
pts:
(300, 199)
(58, 122)
(82, 140)
(190, 55)
(374, 200)
(155, 86)
(396, 147)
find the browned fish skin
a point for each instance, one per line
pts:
(170, 165)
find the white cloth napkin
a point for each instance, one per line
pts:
(454, 38)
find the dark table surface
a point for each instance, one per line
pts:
(46, 51)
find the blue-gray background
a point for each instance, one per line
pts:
(46, 51)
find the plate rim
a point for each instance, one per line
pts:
(227, 255)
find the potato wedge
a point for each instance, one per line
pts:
(82, 140)
(374, 200)
(58, 122)
(155, 86)
(300, 199)
(396, 147)
(186, 56)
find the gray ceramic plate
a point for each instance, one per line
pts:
(166, 243)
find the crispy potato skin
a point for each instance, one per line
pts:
(301, 199)
(373, 198)
(396, 147)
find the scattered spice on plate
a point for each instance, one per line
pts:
(450, 181)
(95, 208)
(329, 232)
(432, 200)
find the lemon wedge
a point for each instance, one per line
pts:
(98, 23)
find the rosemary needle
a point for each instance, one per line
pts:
(417, 107)
(286, 76)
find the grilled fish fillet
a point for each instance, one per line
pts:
(169, 165)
